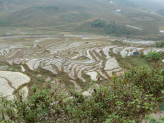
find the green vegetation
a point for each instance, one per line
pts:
(4, 22)
(118, 42)
(111, 28)
(120, 101)
(49, 7)
(115, 28)
(75, 16)
(159, 44)
(99, 23)
(130, 62)
(161, 108)
(146, 77)
(153, 55)
(40, 79)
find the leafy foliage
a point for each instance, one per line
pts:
(153, 119)
(119, 101)
(150, 79)
(153, 55)
(111, 28)
(161, 107)
(99, 23)
(159, 44)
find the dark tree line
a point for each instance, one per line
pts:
(99, 23)
(111, 28)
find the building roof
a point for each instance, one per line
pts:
(118, 10)
(161, 31)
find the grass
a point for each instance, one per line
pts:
(130, 62)
(120, 43)
(133, 61)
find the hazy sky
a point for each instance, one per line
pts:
(152, 4)
(154, 1)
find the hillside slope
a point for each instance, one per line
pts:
(151, 4)
(51, 17)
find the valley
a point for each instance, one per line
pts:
(81, 61)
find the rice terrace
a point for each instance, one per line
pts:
(81, 61)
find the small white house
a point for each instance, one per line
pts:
(118, 11)
(111, 2)
(161, 31)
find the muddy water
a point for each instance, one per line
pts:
(81, 36)
(139, 42)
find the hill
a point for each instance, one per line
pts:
(52, 17)
(54, 69)
(151, 4)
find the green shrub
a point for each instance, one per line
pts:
(120, 101)
(36, 108)
(153, 55)
(111, 28)
(159, 44)
(150, 79)
(99, 23)
(40, 79)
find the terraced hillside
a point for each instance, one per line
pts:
(74, 60)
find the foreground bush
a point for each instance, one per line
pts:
(121, 101)
(150, 79)
(153, 55)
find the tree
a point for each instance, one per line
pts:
(99, 23)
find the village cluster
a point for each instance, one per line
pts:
(6, 6)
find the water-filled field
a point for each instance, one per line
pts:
(74, 60)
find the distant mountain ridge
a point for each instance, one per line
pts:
(77, 15)
(123, 2)
(150, 4)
